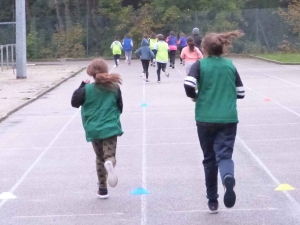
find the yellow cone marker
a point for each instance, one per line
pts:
(284, 187)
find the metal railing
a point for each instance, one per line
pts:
(7, 56)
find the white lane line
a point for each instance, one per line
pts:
(70, 215)
(277, 103)
(224, 210)
(144, 164)
(268, 75)
(278, 139)
(295, 204)
(181, 73)
(20, 181)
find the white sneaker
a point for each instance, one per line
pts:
(114, 66)
(167, 74)
(112, 178)
(118, 61)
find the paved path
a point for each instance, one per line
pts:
(46, 163)
(40, 77)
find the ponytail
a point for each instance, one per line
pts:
(109, 81)
(191, 43)
(216, 44)
(98, 69)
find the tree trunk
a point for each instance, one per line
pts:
(68, 14)
(58, 14)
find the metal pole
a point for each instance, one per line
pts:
(7, 58)
(12, 55)
(1, 48)
(21, 60)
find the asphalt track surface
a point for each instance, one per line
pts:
(47, 164)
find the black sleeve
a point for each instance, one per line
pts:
(154, 51)
(78, 97)
(191, 79)
(240, 90)
(120, 100)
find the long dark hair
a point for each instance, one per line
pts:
(99, 70)
(191, 43)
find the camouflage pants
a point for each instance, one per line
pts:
(105, 150)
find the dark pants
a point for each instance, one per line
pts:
(172, 54)
(154, 54)
(160, 66)
(180, 50)
(217, 142)
(116, 57)
(145, 64)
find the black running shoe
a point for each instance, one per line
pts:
(229, 196)
(213, 206)
(102, 193)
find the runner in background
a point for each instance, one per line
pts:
(181, 44)
(172, 43)
(116, 47)
(127, 47)
(197, 37)
(152, 43)
(190, 54)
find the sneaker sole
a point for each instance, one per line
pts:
(103, 196)
(213, 212)
(112, 178)
(229, 196)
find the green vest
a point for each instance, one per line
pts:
(217, 96)
(100, 114)
(152, 43)
(117, 50)
(162, 54)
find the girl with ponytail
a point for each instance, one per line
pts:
(190, 54)
(101, 106)
(219, 86)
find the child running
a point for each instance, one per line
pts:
(152, 43)
(116, 47)
(219, 86)
(101, 106)
(181, 43)
(145, 54)
(190, 54)
(161, 52)
(127, 47)
(172, 42)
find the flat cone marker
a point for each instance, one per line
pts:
(267, 100)
(7, 195)
(139, 191)
(284, 187)
(144, 105)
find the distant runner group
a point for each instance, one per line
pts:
(158, 50)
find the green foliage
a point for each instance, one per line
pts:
(79, 28)
(69, 43)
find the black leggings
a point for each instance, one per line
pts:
(116, 57)
(180, 50)
(145, 64)
(160, 66)
(172, 57)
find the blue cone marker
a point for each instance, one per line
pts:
(139, 191)
(144, 105)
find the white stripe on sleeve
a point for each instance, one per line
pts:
(191, 81)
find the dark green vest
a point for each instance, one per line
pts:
(100, 114)
(217, 96)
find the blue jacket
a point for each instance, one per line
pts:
(183, 42)
(127, 44)
(172, 40)
(144, 52)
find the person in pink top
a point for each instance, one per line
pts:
(190, 54)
